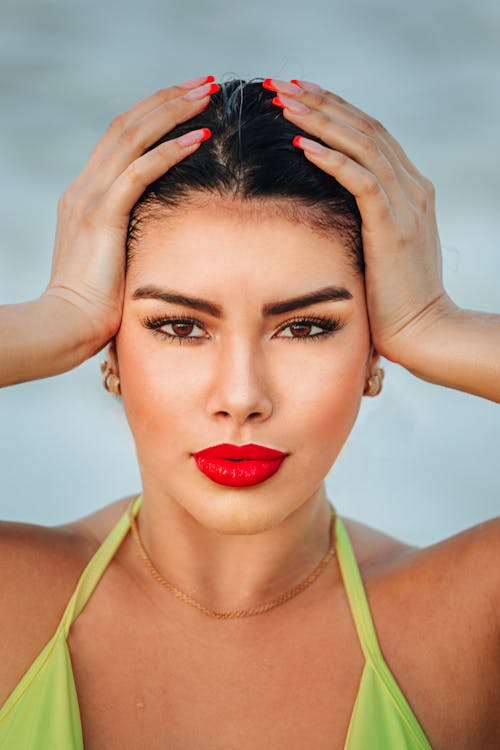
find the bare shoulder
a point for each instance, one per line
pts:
(39, 570)
(467, 563)
(436, 611)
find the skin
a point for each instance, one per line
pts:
(235, 548)
(246, 379)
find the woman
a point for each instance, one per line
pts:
(247, 327)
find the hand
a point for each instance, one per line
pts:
(404, 287)
(88, 265)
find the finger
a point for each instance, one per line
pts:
(320, 99)
(359, 147)
(141, 134)
(364, 123)
(355, 178)
(130, 185)
(142, 108)
(357, 118)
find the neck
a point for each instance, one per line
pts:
(227, 572)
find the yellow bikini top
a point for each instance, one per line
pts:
(42, 711)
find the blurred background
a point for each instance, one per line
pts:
(422, 461)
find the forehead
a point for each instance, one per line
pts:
(258, 245)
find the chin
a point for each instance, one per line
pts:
(235, 516)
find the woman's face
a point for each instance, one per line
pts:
(241, 373)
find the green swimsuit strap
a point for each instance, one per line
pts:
(96, 567)
(365, 628)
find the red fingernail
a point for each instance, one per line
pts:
(195, 136)
(278, 102)
(268, 84)
(194, 82)
(307, 145)
(201, 92)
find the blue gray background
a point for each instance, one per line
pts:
(422, 461)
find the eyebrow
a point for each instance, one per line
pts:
(327, 294)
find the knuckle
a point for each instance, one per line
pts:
(366, 127)
(128, 136)
(429, 188)
(161, 93)
(421, 197)
(372, 186)
(321, 97)
(370, 147)
(413, 220)
(341, 160)
(134, 174)
(313, 98)
(89, 219)
(407, 231)
(403, 239)
(117, 124)
(64, 201)
(376, 126)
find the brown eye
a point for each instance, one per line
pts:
(182, 329)
(309, 329)
(300, 330)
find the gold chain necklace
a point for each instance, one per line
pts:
(281, 599)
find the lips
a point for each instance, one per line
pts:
(239, 466)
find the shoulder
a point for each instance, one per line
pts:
(436, 611)
(39, 569)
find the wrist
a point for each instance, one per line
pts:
(457, 348)
(41, 338)
(74, 336)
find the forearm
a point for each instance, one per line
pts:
(460, 350)
(41, 338)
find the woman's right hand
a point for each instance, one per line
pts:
(88, 265)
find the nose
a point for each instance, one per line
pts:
(239, 390)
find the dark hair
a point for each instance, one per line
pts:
(250, 156)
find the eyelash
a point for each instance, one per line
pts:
(330, 326)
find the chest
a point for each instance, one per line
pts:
(239, 688)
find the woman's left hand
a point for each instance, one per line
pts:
(404, 287)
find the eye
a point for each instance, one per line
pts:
(176, 329)
(309, 329)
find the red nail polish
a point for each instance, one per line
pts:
(296, 140)
(295, 81)
(213, 88)
(268, 84)
(194, 82)
(207, 133)
(278, 102)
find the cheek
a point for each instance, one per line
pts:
(327, 397)
(158, 388)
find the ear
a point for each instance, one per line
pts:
(112, 356)
(372, 361)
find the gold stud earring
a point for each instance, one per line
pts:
(373, 384)
(111, 382)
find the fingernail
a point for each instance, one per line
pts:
(291, 104)
(307, 145)
(194, 82)
(202, 91)
(307, 85)
(287, 88)
(195, 136)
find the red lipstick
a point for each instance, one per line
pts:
(239, 465)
